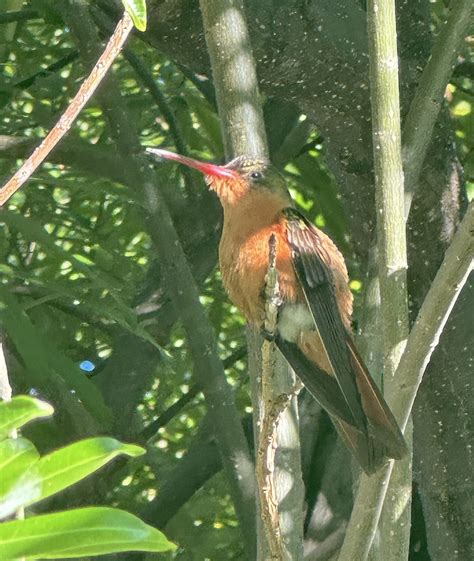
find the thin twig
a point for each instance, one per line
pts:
(270, 413)
(88, 87)
(423, 339)
(25, 83)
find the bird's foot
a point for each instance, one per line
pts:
(268, 335)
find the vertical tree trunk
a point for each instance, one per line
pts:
(238, 101)
(394, 527)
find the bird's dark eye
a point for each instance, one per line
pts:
(256, 175)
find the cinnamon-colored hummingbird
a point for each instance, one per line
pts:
(314, 319)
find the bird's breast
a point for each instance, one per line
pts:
(244, 262)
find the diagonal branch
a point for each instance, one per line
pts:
(426, 105)
(423, 338)
(85, 92)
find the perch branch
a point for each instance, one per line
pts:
(88, 87)
(270, 412)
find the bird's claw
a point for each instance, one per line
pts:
(268, 335)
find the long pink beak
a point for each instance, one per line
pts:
(204, 167)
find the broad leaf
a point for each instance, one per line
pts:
(21, 409)
(70, 464)
(137, 11)
(78, 533)
(20, 482)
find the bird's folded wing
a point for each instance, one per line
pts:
(310, 261)
(319, 383)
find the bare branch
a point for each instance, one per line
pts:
(270, 412)
(85, 92)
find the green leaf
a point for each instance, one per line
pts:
(137, 11)
(78, 533)
(20, 482)
(19, 411)
(70, 464)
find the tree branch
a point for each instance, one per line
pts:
(391, 245)
(426, 105)
(85, 92)
(238, 101)
(422, 341)
(432, 317)
(234, 77)
(391, 234)
(272, 407)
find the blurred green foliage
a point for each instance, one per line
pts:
(79, 274)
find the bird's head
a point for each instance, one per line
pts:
(234, 180)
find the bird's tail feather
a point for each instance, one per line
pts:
(383, 434)
(375, 442)
(368, 450)
(319, 383)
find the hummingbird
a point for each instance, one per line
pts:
(314, 316)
